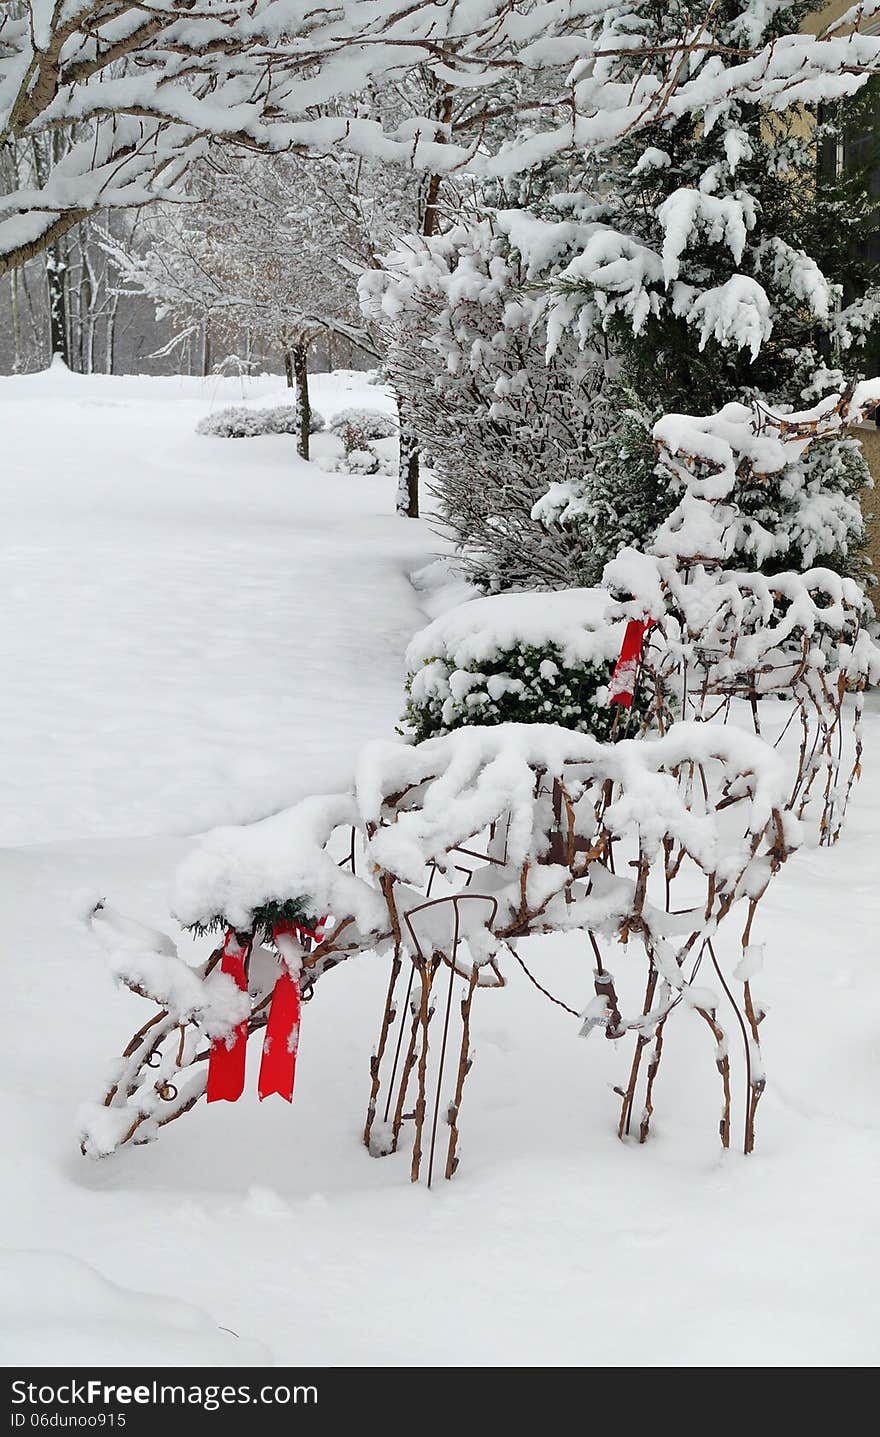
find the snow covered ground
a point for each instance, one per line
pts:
(194, 631)
(187, 622)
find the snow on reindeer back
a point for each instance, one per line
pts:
(464, 781)
(235, 872)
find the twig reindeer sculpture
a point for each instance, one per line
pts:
(561, 820)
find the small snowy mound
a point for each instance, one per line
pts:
(240, 421)
(441, 586)
(515, 658)
(363, 461)
(56, 1311)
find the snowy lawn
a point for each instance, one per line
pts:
(196, 631)
(193, 629)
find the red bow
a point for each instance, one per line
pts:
(626, 670)
(226, 1064)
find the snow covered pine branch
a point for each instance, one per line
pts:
(141, 90)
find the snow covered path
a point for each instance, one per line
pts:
(169, 667)
(178, 610)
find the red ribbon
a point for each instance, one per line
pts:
(278, 1063)
(226, 1065)
(299, 931)
(626, 670)
(227, 1060)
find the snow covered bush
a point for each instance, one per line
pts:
(702, 257)
(621, 498)
(518, 658)
(358, 428)
(240, 421)
(464, 322)
(360, 431)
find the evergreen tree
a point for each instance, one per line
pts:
(755, 279)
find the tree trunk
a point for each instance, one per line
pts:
(206, 350)
(86, 324)
(408, 470)
(90, 344)
(408, 466)
(288, 369)
(431, 221)
(56, 262)
(35, 319)
(16, 324)
(55, 267)
(110, 353)
(303, 404)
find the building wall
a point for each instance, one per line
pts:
(822, 17)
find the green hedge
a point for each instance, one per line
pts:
(520, 685)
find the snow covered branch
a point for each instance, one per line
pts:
(146, 90)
